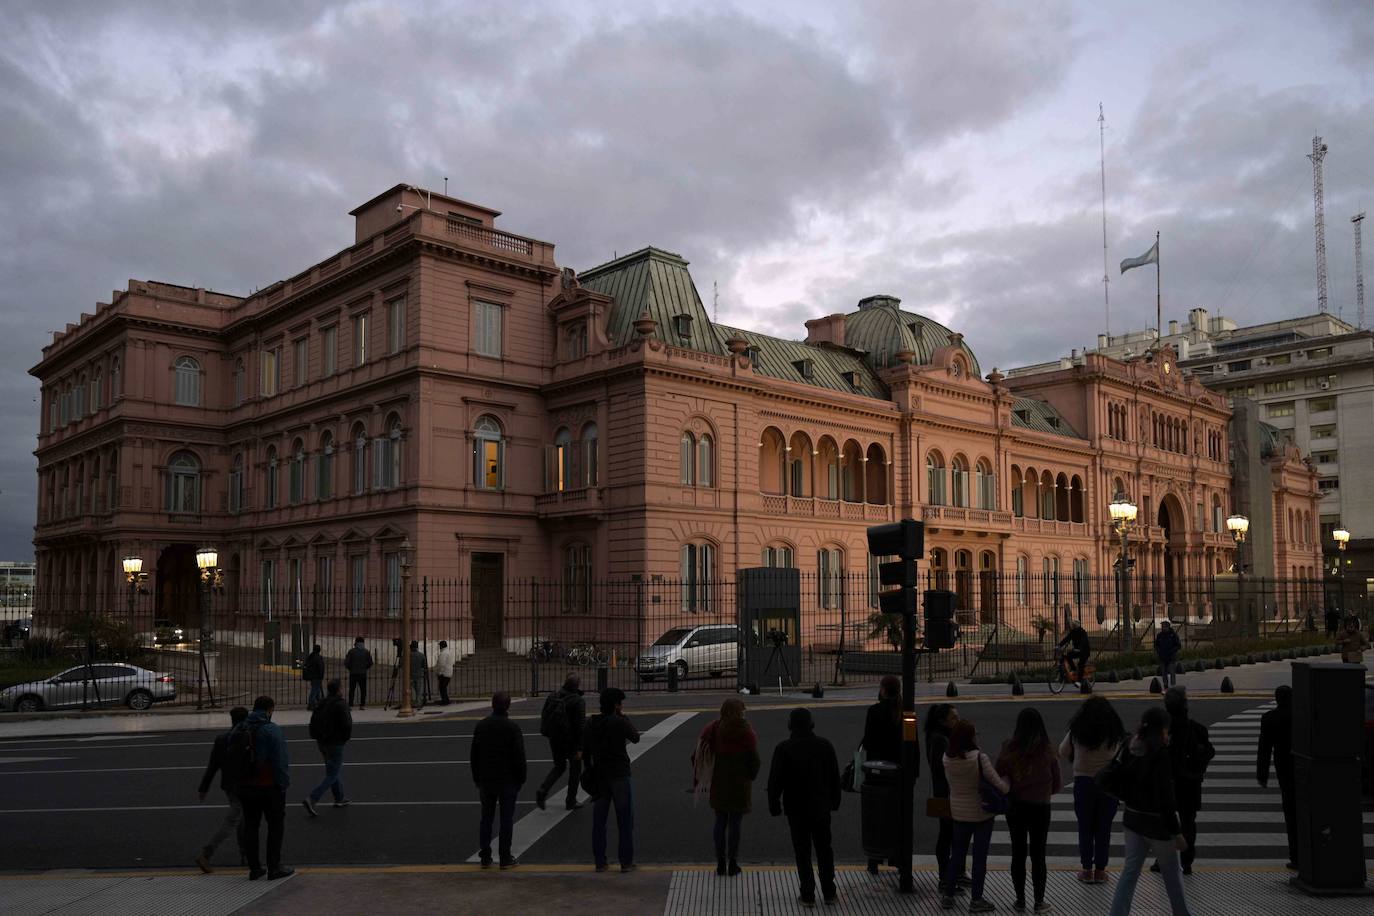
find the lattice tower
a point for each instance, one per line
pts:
(1358, 220)
(1319, 218)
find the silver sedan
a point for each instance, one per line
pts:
(97, 684)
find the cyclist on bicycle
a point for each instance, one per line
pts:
(1078, 655)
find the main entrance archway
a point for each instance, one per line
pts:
(1171, 519)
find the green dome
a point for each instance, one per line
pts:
(882, 330)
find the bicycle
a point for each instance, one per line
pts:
(545, 650)
(1063, 674)
(587, 654)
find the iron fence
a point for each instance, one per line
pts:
(526, 635)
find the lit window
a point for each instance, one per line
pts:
(489, 454)
(271, 371)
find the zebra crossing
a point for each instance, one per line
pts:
(1241, 822)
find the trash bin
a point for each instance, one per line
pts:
(880, 806)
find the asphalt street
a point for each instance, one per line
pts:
(130, 801)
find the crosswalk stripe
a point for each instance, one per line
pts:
(1232, 840)
(1208, 799)
(1205, 816)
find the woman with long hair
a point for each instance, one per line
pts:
(1095, 734)
(725, 763)
(1143, 777)
(1028, 761)
(939, 720)
(883, 730)
(968, 769)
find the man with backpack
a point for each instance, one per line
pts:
(312, 670)
(561, 722)
(356, 663)
(1190, 751)
(331, 726)
(233, 821)
(261, 766)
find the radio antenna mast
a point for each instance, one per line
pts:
(1106, 279)
(1319, 217)
(1358, 220)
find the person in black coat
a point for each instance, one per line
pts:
(356, 663)
(883, 732)
(497, 758)
(1190, 751)
(1167, 647)
(233, 821)
(565, 739)
(331, 726)
(804, 781)
(312, 670)
(1276, 744)
(605, 756)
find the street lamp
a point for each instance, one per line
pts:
(1239, 526)
(207, 559)
(134, 575)
(1341, 537)
(1123, 513)
(406, 709)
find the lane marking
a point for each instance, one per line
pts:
(4, 760)
(356, 804)
(532, 827)
(1206, 816)
(348, 765)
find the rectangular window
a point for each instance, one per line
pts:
(1320, 381)
(1239, 366)
(396, 325)
(1280, 387)
(1284, 409)
(359, 339)
(488, 470)
(1321, 405)
(300, 361)
(1319, 353)
(1324, 431)
(1324, 457)
(1281, 359)
(487, 329)
(392, 562)
(271, 371)
(269, 570)
(324, 583)
(293, 578)
(329, 350)
(1328, 484)
(357, 585)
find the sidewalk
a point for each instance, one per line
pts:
(1258, 680)
(673, 890)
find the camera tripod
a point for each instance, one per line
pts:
(777, 656)
(416, 700)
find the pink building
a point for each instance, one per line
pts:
(443, 380)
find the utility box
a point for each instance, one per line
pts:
(880, 800)
(300, 643)
(271, 642)
(769, 605)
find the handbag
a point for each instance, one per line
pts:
(993, 799)
(938, 807)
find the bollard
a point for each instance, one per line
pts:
(1137, 674)
(951, 690)
(1199, 665)
(602, 678)
(818, 691)
(1227, 686)
(1112, 677)
(1017, 688)
(1178, 667)
(1218, 664)
(672, 678)
(1154, 686)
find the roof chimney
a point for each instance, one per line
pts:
(829, 329)
(1173, 327)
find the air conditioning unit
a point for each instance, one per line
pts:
(1324, 384)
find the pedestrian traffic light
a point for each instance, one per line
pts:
(905, 540)
(940, 629)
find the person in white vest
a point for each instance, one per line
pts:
(443, 670)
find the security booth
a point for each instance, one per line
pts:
(768, 601)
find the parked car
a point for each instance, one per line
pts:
(115, 684)
(167, 633)
(711, 649)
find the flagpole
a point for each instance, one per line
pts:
(1159, 311)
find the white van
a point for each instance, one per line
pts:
(710, 649)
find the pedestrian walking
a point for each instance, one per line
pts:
(562, 721)
(1167, 647)
(443, 671)
(312, 670)
(882, 738)
(606, 773)
(1079, 653)
(331, 726)
(725, 764)
(356, 663)
(1351, 641)
(1029, 763)
(804, 783)
(497, 758)
(261, 765)
(1333, 620)
(1095, 735)
(419, 667)
(233, 820)
(1276, 745)
(939, 720)
(1190, 751)
(970, 773)
(1141, 775)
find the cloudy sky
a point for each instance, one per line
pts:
(800, 154)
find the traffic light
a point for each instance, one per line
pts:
(905, 540)
(940, 630)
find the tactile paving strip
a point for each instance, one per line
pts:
(154, 895)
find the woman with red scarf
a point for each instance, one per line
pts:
(725, 763)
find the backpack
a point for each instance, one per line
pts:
(242, 760)
(553, 718)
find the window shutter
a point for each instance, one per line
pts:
(501, 464)
(379, 462)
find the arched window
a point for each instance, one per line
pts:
(958, 474)
(779, 556)
(489, 454)
(591, 456)
(987, 484)
(697, 570)
(359, 460)
(935, 479)
(1063, 497)
(577, 578)
(236, 484)
(1047, 496)
(324, 467)
(386, 462)
(296, 491)
(183, 483)
(1076, 499)
(851, 471)
(875, 475)
(706, 461)
(687, 459)
(270, 494)
(187, 382)
(79, 398)
(561, 471)
(773, 462)
(1018, 501)
(799, 461)
(95, 391)
(830, 566)
(830, 469)
(939, 567)
(239, 382)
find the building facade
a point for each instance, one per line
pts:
(444, 381)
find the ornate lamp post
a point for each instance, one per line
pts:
(207, 559)
(1341, 537)
(1239, 526)
(1123, 513)
(406, 709)
(135, 576)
